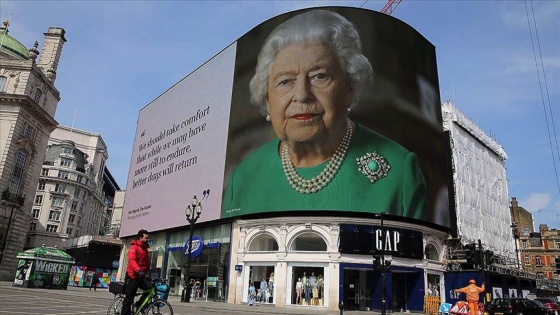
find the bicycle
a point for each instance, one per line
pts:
(153, 304)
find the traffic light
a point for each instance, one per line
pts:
(471, 253)
(376, 261)
(489, 257)
(557, 261)
(387, 265)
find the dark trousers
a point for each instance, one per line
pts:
(130, 289)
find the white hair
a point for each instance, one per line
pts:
(309, 28)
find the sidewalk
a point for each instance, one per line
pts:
(203, 304)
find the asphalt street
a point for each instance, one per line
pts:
(75, 301)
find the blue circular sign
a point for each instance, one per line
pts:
(197, 246)
(116, 264)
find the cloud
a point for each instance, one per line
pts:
(519, 14)
(536, 202)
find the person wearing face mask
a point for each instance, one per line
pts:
(138, 266)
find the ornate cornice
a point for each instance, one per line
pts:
(30, 105)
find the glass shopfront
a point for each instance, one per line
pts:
(308, 286)
(262, 277)
(208, 269)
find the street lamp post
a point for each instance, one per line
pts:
(4, 241)
(515, 238)
(383, 281)
(192, 212)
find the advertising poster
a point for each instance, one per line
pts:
(512, 293)
(368, 140)
(23, 272)
(497, 293)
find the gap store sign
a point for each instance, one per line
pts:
(368, 239)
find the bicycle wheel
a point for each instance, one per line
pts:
(159, 307)
(115, 306)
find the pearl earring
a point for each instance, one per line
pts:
(268, 117)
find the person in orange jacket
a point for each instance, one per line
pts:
(472, 291)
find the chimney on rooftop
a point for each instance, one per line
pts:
(50, 54)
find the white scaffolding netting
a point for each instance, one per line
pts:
(481, 191)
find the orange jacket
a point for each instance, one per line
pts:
(472, 291)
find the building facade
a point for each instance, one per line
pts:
(116, 211)
(28, 102)
(275, 244)
(70, 200)
(110, 189)
(538, 252)
(332, 246)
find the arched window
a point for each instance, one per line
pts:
(309, 241)
(263, 243)
(37, 96)
(431, 252)
(17, 175)
(3, 80)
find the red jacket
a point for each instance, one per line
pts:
(138, 259)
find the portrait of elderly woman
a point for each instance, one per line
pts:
(309, 76)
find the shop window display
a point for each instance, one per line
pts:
(263, 279)
(308, 286)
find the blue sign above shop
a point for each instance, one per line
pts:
(197, 246)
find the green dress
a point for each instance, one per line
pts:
(259, 184)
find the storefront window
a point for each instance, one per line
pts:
(263, 279)
(309, 242)
(433, 288)
(431, 252)
(308, 286)
(209, 268)
(263, 243)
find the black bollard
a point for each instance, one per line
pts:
(188, 295)
(341, 307)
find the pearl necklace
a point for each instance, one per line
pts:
(309, 186)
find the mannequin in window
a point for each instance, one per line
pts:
(299, 290)
(306, 288)
(271, 284)
(321, 285)
(262, 292)
(435, 290)
(429, 292)
(313, 288)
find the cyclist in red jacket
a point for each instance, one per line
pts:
(138, 266)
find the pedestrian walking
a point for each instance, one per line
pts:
(94, 281)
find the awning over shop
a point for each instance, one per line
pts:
(47, 253)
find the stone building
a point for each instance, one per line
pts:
(70, 200)
(116, 213)
(537, 249)
(28, 103)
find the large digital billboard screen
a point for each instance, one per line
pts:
(332, 110)
(179, 150)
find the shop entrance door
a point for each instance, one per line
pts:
(403, 296)
(357, 293)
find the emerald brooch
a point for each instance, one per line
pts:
(373, 166)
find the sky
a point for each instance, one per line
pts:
(498, 62)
